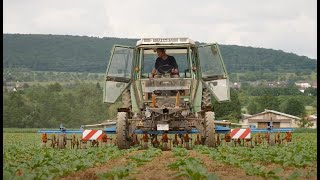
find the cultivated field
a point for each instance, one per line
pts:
(25, 159)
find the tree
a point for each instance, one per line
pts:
(252, 107)
(312, 91)
(294, 107)
(267, 102)
(304, 122)
(98, 86)
(230, 110)
(56, 87)
(25, 85)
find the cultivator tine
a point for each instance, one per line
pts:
(197, 142)
(145, 139)
(53, 141)
(165, 140)
(227, 138)
(104, 139)
(258, 139)
(218, 140)
(77, 143)
(73, 141)
(155, 142)
(94, 143)
(288, 137)
(278, 138)
(248, 142)
(83, 143)
(136, 140)
(175, 142)
(266, 138)
(181, 139)
(186, 140)
(44, 140)
(239, 141)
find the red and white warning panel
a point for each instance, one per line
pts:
(240, 133)
(92, 135)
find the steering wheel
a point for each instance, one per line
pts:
(165, 69)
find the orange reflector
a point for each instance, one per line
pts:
(44, 137)
(178, 100)
(154, 101)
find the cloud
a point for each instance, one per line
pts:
(289, 25)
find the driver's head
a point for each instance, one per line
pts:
(161, 52)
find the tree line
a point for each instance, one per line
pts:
(90, 54)
(46, 106)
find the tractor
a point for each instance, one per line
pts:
(165, 104)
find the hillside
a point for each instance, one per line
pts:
(90, 54)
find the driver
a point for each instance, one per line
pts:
(164, 59)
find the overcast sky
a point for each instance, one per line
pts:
(289, 25)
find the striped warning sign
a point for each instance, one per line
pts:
(92, 135)
(240, 133)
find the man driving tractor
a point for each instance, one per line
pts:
(164, 64)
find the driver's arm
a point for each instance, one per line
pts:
(153, 72)
(175, 65)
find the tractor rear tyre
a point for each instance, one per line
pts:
(210, 129)
(122, 131)
(206, 98)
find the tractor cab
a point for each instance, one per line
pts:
(166, 103)
(196, 64)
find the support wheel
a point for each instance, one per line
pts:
(210, 129)
(272, 139)
(61, 141)
(122, 131)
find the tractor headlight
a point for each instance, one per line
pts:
(184, 113)
(147, 114)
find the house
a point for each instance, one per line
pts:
(277, 83)
(301, 90)
(314, 84)
(302, 84)
(313, 119)
(235, 85)
(264, 119)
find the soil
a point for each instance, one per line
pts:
(90, 173)
(157, 168)
(223, 171)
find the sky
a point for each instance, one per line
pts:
(288, 25)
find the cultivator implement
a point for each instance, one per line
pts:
(249, 137)
(79, 138)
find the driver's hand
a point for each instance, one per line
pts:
(174, 71)
(151, 76)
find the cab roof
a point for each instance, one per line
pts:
(165, 41)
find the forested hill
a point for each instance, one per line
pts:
(90, 54)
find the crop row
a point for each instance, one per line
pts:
(134, 161)
(298, 154)
(24, 159)
(189, 167)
